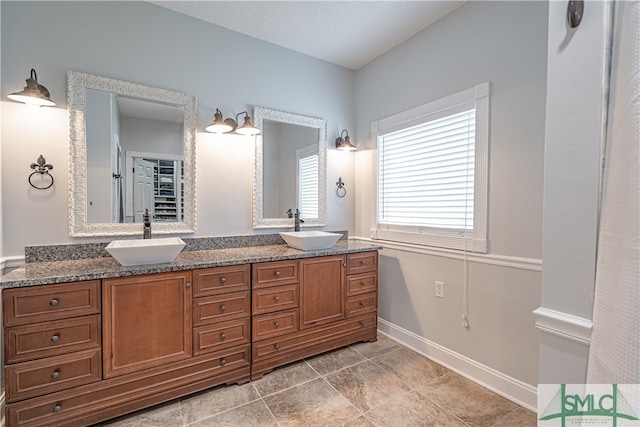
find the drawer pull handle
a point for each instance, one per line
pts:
(188, 285)
(55, 338)
(363, 262)
(362, 282)
(362, 304)
(362, 323)
(344, 265)
(223, 362)
(223, 307)
(53, 302)
(277, 273)
(57, 408)
(55, 375)
(223, 280)
(223, 336)
(277, 324)
(276, 298)
(277, 346)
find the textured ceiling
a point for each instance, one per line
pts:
(347, 33)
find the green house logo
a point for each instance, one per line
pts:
(596, 405)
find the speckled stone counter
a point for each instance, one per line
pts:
(43, 273)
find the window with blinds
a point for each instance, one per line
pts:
(308, 183)
(432, 173)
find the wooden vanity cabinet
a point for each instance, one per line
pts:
(80, 353)
(326, 316)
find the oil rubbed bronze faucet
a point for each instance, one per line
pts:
(297, 221)
(146, 230)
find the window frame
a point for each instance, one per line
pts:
(477, 240)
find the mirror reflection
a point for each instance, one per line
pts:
(290, 169)
(132, 148)
(123, 177)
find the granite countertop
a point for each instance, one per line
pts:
(43, 273)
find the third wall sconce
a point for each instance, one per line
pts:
(343, 143)
(33, 93)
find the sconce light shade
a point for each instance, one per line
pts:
(344, 143)
(247, 127)
(33, 93)
(218, 125)
(229, 125)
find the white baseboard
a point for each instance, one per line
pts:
(515, 390)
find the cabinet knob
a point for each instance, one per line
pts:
(277, 346)
(55, 375)
(362, 282)
(57, 408)
(362, 304)
(277, 324)
(223, 280)
(362, 324)
(363, 262)
(223, 362)
(188, 285)
(53, 302)
(222, 336)
(276, 298)
(277, 273)
(55, 338)
(223, 307)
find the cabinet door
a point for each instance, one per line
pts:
(322, 290)
(146, 322)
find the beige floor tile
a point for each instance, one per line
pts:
(218, 399)
(468, 401)
(254, 414)
(411, 410)
(164, 415)
(284, 377)
(312, 404)
(367, 385)
(411, 367)
(520, 417)
(373, 349)
(360, 421)
(335, 360)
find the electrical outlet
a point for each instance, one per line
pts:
(440, 289)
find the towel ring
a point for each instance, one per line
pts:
(341, 191)
(41, 167)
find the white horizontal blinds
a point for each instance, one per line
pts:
(426, 174)
(308, 186)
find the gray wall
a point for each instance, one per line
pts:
(480, 41)
(145, 43)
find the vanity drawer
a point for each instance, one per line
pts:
(362, 283)
(51, 338)
(38, 377)
(275, 273)
(277, 298)
(361, 304)
(275, 324)
(221, 335)
(221, 308)
(51, 302)
(221, 280)
(362, 262)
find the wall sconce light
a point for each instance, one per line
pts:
(229, 125)
(344, 143)
(33, 93)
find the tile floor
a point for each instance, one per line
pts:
(366, 384)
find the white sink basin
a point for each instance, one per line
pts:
(145, 251)
(310, 240)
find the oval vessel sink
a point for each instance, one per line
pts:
(145, 251)
(310, 240)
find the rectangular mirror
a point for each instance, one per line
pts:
(289, 169)
(132, 148)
